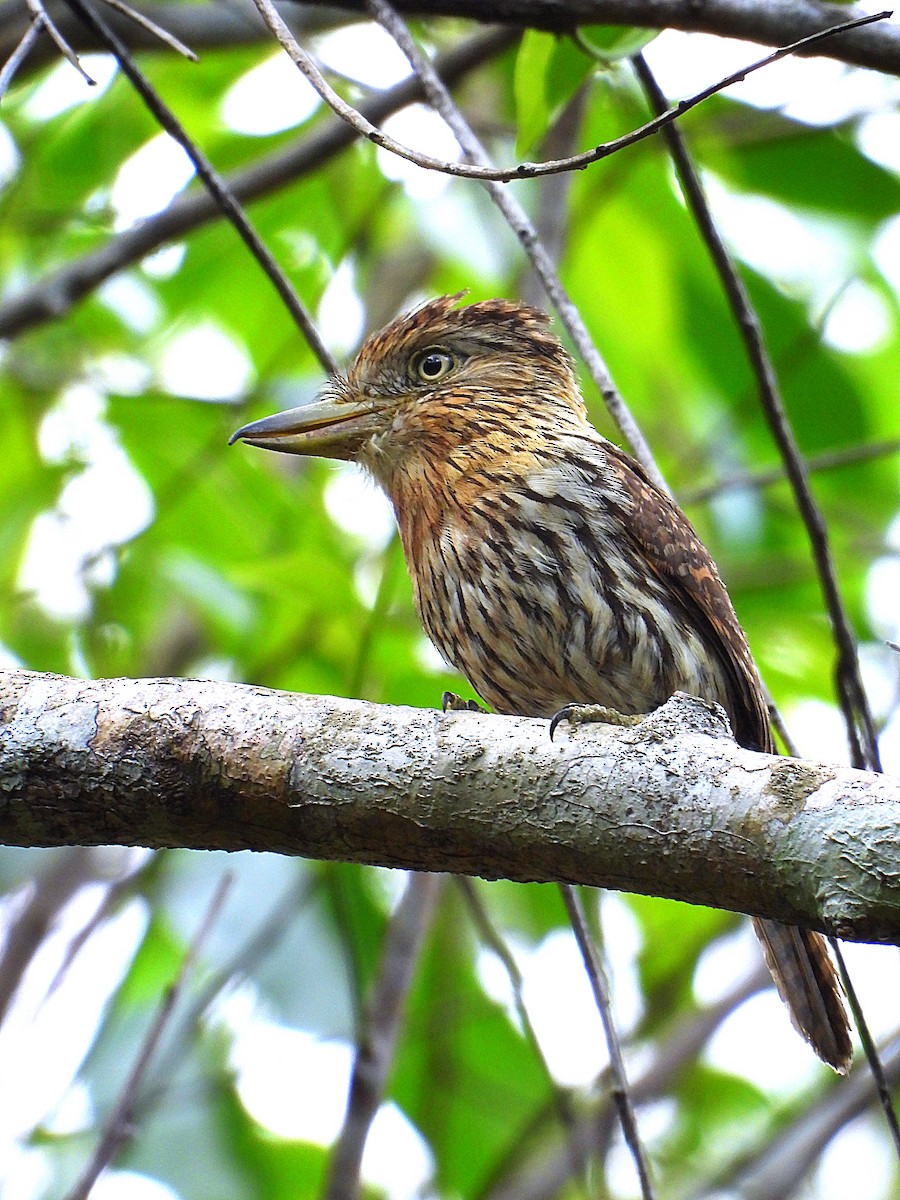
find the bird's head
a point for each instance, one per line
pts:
(436, 384)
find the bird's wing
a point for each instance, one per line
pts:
(666, 539)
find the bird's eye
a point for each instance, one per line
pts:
(433, 364)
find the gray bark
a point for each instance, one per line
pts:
(672, 807)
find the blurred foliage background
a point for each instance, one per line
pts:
(134, 542)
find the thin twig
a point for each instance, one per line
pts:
(619, 1080)
(114, 893)
(139, 18)
(119, 1125)
(828, 460)
(526, 170)
(19, 54)
(213, 182)
(38, 12)
(854, 704)
(518, 220)
(378, 1035)
(869, 1048)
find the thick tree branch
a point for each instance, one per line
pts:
(770, 22)
(672, 807)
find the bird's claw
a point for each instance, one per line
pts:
(450, 702)
(589, 714)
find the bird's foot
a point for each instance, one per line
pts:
(590, 714)
(450, 702)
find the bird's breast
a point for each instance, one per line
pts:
(533, 595)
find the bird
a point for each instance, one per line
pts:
(546, 565)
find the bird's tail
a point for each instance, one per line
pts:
(807, 982)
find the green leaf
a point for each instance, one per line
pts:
(549, 70)
(155, 965)
(274, 1168)
(610, 42)
(674, 936)
(788, 161)
(490, 1081)
(532, 105)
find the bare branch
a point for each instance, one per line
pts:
(161, 34)
(40, 16)
(50, 892)
(828, 460)
(259, 944)
(670, 807)
(782, 1162)
(119, 1124)
(620, 1091)
(381, 1024)
(870, 1050)
(19, 53)
(495, 943)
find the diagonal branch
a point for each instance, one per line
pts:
(152, 27)
(780, 1164)
(671, 807)
(620, 1089)
(827, 460)
(381, 1024)
(119, 1125)
(223, 196)
(54, 294)
(41, 17)
(19, 54)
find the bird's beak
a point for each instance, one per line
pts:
(329, 427)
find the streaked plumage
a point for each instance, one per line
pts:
(546, 566)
